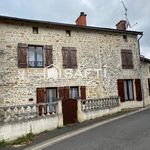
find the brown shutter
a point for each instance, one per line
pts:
(41, 99)
(121, 90)
(129, 59)
(124, 59)
(48, 55)
(83, 92)
(65, 55)
(149, 85)
(61, 93)
(73, 58)
(22, 55)
(66, 92)
(138, 90)
(40, 95)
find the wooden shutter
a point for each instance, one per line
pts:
(127, 59)
(40, 95)
(83, 92)
(61, 93)
(48, 55)
(69, 57)
(124, 59)
(138, 90)
(22, 55)
(66, 92)
(65, 54)
(121, 90)
(149, 85)
(73, 58)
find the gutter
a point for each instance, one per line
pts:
(141, 74)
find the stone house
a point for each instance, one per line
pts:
(145, 69)
(44, 61)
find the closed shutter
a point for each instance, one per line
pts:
(69, 57)
(83, 92)
(124, 59)
(73, 58)
(129, 59)
(22, 55)
(48, 55)
(61, 93)
(121, 90)
(66, 92)
(65, 54)
(149, 85)
(138, 90)
(41, 99)
(40, 95)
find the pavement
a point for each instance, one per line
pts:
(71, 131)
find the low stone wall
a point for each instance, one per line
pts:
(91, 109)
(19, 120)
(12, 130)
(131, 104)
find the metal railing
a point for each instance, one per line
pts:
(99, 104)
(21, 112)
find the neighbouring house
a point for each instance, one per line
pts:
(145, 70)
(43, 62)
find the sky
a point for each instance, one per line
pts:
(100, 13)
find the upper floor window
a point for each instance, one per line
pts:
(127, 59)
(35, 30)
(68, 33)
(69, 57)
(125, 38)
(35, 56)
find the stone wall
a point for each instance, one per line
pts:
(95, 49)
(145, 69)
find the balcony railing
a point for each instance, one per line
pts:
(99, 104)
(21, 112)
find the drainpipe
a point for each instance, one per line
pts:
(141, 75)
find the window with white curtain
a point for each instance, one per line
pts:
(74, 92)
(128, 90)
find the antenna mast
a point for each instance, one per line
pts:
(126, 16)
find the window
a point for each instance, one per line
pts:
(128, 89)
(149, 85)
(127, 59)
(68, 33)
(69, 57)
(74, 92)
(125, 38)
(35, 56)
(35, 30)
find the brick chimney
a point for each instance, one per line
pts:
(81, 20)
(121, 25)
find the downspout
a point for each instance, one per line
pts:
(141, 75)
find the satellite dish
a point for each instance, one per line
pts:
(128, 25)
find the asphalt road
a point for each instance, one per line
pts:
(129, 133)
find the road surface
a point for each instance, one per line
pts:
(129, 133)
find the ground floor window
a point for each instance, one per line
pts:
(74, 92)
(128, 90)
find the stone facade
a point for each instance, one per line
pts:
(100, 50)
(145, 67)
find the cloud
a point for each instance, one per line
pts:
(99, 13)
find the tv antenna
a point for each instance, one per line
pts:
(128, 25)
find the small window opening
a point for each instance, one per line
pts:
(125, 38)
(68, 33)
(35, 30)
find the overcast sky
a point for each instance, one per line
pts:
(101, 13)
